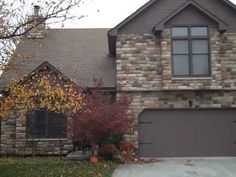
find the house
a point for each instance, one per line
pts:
(176, 60)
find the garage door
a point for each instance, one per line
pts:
(187, 133)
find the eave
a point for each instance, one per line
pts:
(230, 4)
(114, 31)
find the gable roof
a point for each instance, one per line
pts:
(162, 13)
(80, 54)
(114, 30)
(222, 25)
(47, 66)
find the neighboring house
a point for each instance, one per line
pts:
(176, 60)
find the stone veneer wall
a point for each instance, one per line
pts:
(144, 74)
(144, 63)
(138, 63)
(37, 32)
(175, 99)
(14, 140)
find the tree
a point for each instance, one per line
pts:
(15, 21)
(100, 116)
(45, 89)
(93, 114)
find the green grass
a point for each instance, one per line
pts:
(53, 167)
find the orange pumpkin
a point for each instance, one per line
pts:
(93, 160)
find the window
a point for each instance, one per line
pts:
(45, 124)
(190, 51)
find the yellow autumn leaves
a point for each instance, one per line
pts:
(48, 91)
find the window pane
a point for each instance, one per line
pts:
(181, 65)
(200, 65)
(31, 121)
(180, 47)
(199, 31)
(200, 46)
(179, 31)
(56, 127)
(40, 124)
(36, 124)
(46, 124)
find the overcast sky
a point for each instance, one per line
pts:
(106, 13)
(102, 13)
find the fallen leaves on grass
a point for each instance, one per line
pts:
(53, 167)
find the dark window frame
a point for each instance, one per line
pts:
(190, 38)
(46, 134)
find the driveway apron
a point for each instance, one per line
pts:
(181, 167)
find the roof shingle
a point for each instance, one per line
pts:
(80, 54)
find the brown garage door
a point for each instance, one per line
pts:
(187, 133)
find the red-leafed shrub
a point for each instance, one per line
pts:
(107, 149)
(127, 146)
(101, 115)
(127, 150)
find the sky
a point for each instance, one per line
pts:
(105, 13)
(102, 13)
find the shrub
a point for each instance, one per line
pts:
(127, 150)
(127, 146)
(113, 139)
(107, 149)
(100, 117)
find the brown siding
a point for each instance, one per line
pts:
(191, 15)
(145, 21)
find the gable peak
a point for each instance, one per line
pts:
(223, 26)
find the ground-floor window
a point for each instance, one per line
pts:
(46, 124)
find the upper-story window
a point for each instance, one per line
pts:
(190, 51)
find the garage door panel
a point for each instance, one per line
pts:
(149, 128)
(234, 129)
(145, 150)
(177, 133)
(233, 135)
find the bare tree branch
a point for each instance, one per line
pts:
(56, 11)
(15, 22)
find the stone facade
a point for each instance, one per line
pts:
(144, 63)
(141, 100)
(144, 73)
(138, 63)
(38, 26)
(14, 139)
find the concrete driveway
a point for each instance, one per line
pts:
(181, 167)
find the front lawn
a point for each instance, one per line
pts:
(53, 167)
